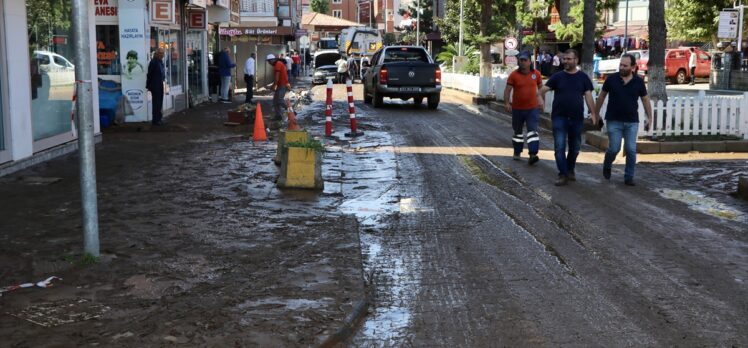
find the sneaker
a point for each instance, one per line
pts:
(225, 101)
(516, 157)
(572, 177)
(562, 180)
(533, 159)
(629, 182)
(606, 173)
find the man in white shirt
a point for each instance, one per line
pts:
(289, 66)
(556, 64)
(692, 65)
(249, 77)
(342, 64)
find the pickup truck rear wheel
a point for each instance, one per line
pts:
(418, 101)
(378, 98)
(680, 78)
(433, 101)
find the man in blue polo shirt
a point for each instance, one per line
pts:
(622, 115)
(571, 88)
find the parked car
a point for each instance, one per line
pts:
(676, 64)
(324, 66)
(402, 72)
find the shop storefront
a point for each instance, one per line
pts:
(35, 115)
(242, 41)
(196, 53)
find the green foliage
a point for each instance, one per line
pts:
(694, 20)
(312, 144)
(389, 39)
(573, 31)
(500, 25)
(45, 18)
(321, 6)
(450, 51)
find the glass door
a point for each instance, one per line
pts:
(195, 51)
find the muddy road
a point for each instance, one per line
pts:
(466, 247)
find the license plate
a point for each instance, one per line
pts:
(410, 89)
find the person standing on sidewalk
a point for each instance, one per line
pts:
(296, 58)
(154, 83)
(571, 89)
(280, 85)
(225, 64)
(342, 65)
(622, 114)
(524, 106)
(249, 77)
(692, 65)
(289, 66)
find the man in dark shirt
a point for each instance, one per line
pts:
(622, 114)
(571, 89)
(154, 83)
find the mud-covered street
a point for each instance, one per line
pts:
(427, 234)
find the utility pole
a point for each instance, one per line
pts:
(85, 123)
(418, 23)
(626, 29)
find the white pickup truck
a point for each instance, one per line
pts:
(610, 66)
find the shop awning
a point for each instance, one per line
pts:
(636, 31)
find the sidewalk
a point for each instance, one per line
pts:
(198, 245)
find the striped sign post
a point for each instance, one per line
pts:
(328, 109)
(351, 111)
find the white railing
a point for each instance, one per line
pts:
(700, 115)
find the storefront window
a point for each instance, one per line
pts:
(52, 71)
(107, 49)
(169, 41)
(195, 62)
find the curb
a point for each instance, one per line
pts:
(350, 324)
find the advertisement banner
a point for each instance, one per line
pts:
(133, 40)
(728, 24)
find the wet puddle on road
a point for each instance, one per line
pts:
(372, 193)
(700, 202)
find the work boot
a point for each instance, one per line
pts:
(562, 180)
(572, 176)
(606, 173)
(516, 157)
(533, 159)
(629, 182)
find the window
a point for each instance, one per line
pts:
(107, 50)
(257, 8)
(406, 54)
(337, 13)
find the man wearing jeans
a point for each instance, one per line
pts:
(225, 64)
(280, 87)
(622, 115)
(571, 89)
(523, 84)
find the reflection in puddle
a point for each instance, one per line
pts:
(700, 202)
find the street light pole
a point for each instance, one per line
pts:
(462, 5)
(85, 123)
(626, 30)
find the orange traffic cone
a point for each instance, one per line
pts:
(292, 125)
(259, 132)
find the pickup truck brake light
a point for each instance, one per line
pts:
(383, 74)
(438, 76)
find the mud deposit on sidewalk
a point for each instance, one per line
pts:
(199, 246)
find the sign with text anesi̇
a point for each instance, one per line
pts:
(133, 38)
(728, 24)
(105, 10)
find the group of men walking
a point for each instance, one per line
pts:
(572, 88)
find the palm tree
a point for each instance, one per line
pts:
(450, 51)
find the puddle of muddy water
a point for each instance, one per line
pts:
(701, 202)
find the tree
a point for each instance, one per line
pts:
(450, 51)
(588, 36)
(426, 19)
(530, 14)
(657, 36)
(449, 26)
(321, 6)
(573, 32)
(694, 20)
(44, 19)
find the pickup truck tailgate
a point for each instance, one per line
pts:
(405, 74)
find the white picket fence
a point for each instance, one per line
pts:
(699, 115)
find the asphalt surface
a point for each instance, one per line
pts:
(476, 249)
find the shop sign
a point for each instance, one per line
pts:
(196, 20)
(301, 32)
(163, 11)
(728, 24)
(104, 9)
(254, 31)
(133, 57)
(198, 3)
(222, 3)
